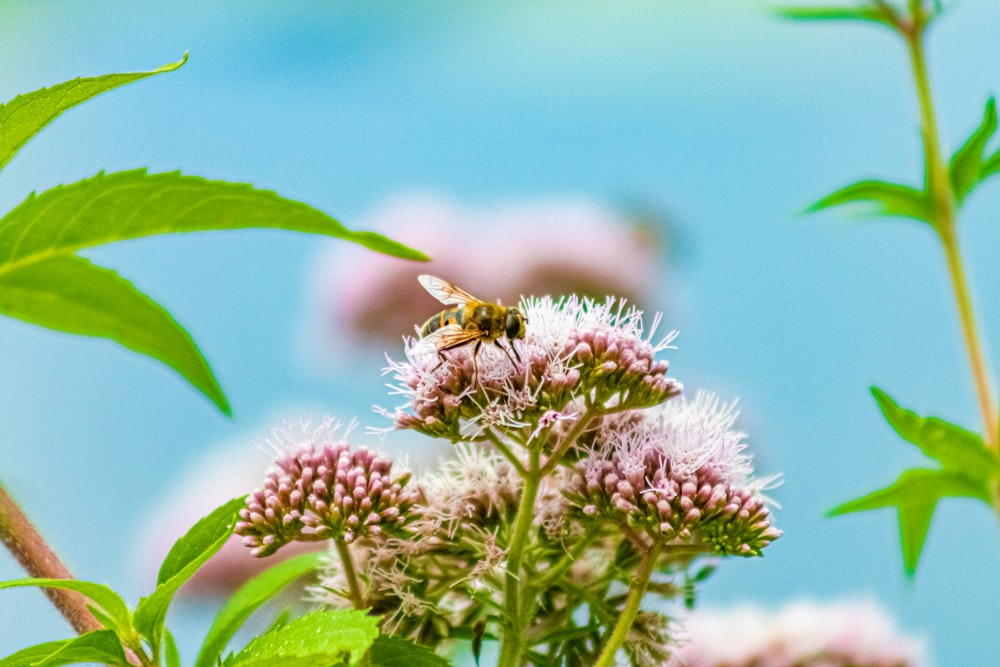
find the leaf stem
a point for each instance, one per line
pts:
(635, 593)
(943, 202)
(31, 550)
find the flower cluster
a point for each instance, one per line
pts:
(577, 354)
(804, 634)
(677, 474)
(319, 490)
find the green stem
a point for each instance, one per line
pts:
(515, 589)
(635, 593)
(939, 189)
(347, 562)
(31, 550)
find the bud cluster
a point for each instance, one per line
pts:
(322, 490)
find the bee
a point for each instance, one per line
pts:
(469, 320)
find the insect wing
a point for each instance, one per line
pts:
(445, 292)
(452, 336)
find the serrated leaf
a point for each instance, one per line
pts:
(133, 204)
(317, 639)
(69, 293)
(954, 447)
(395, 652)
(25, 115)
(248, 598)
(39, 237)
(883, 198)
(837, 13)
(101, 646)
(187, 555)
(115, 610)
(966, 167)
(915, 495)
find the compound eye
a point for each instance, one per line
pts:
(514, 324)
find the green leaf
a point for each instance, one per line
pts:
(317, 639)
(25, 115)
(133, 204)
(101, 646)
(171, 655)
(836, 13)
(248, 598)
(966, 167)
(954, 447)
(187, 555)
(395, 652)
(114, 610)
(48, 285)
(885, 199)
(68, 293)
(915, 495)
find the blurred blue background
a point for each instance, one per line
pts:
(719, 115)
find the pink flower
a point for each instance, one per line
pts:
(678, 473)
(320, 489)
(574, 349)
(547, 247)
(802, 634)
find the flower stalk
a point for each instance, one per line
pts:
(942, 199)
(636, 591)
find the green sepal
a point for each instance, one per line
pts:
(955, 448)
(967, 168)
(188, 554)
(883, 198)
(870, 13)
(25, 115)
(248, 598)
(915, 495)
(317, 639)
(100, 646)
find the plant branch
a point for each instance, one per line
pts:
(34, 554)
(351, 574)
(635, 593)
(511, 647)
(938, 188)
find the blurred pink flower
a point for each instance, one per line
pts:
(802, 634)
(550, 247)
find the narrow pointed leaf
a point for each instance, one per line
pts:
(114, 608)
(100, 646)
(248, 599)
(172, 656)
(133, 204)
(317, 639)
(915, 495)
(966, 167)
(188, 554)
(954, 447)
(990, 166)
(395, 652)
(68, 293)
(837, 13)
(25, 115)
(882, 198)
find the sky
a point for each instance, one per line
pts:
(715, 114)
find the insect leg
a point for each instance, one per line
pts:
(507, 352)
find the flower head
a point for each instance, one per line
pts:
(678, 473)
(803, 634)
(574, 349)
(320, 489)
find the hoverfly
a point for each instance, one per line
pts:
(469, 320)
